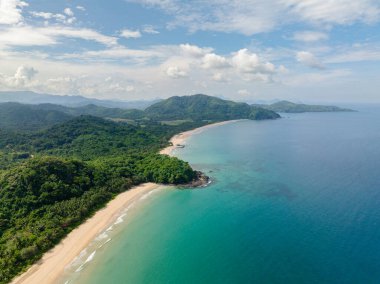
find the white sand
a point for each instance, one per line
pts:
(180, 139)
(52, 265)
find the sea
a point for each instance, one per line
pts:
(294, 200)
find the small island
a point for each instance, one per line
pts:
(289, 107)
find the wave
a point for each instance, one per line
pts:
(89, 258)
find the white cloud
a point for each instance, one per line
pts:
(81, 8)
(10, 11)
(256, 16)
(336, 11)
(175, 72)
(193, 50)
(21, 78)
(44, 36)
(356, 53)
(310, 36)
(243, 16)
(86, 34)
(309, 59)
(282, 69)
(306, 79)
(116, 54)
(214, 61)
(130, 33)
(219, 77)
(66, 18)
(150, 30)
(68, 12)
(44, 15)
(25, 73)
(247, 62)
(243, 92)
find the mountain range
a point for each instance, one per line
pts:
(289, 107)
(27, 97)
(194, 108)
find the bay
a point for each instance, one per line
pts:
(296, 200)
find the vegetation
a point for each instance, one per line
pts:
(43, 199)
(289, 107)
(57, 166)
(172, 111)
(25, 117)
(27, 97)
(53, 179)
(205, 108)
(94, 110)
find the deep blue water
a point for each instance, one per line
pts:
(296, 200)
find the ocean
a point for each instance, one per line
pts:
(295, 200)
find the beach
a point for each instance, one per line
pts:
(52, 265)
(180, 139)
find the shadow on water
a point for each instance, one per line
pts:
(278, 190)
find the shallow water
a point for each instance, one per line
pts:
(295, 200)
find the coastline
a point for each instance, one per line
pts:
(51, 266)
(53, 263)
(183, 136)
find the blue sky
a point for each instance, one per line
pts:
(247, 50)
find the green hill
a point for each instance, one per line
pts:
(202, 107)
(27, 97)
(88, 137)
(289, 107)
(27, 117)
(95, 110)
(68, 165)
(43, 199)
(16, 116)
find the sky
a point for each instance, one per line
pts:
(245, 50)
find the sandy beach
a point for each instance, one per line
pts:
(53, 263)
(181, 138)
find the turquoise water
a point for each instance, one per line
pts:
(295, 200)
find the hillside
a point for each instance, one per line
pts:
(61, 164)
(51, 180)
(289, 107)
(202, 107)
(95, 110)
(27, 97)
(16, 116)
(196, 108)
(26, 117)
(43, 199)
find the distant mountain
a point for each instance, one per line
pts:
(27, 97)
(27, 117)
(289, 107)
(202, 107)
(17, 116)
(95, 110)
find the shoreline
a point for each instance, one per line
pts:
(183, 136)
(51, 267)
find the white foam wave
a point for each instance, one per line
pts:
(89, 258)
(105, 243)
(145, 196)
(102, 236)
(120, 219)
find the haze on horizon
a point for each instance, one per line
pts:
(247, 50)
